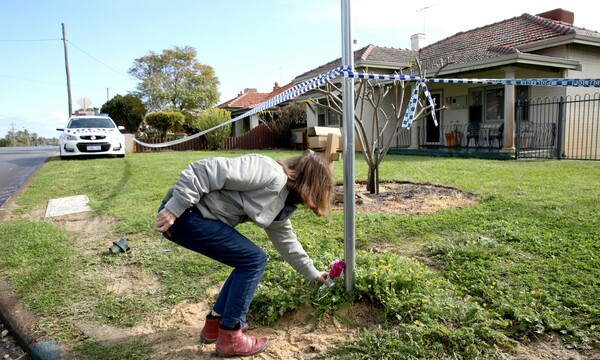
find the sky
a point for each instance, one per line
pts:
(249, 43)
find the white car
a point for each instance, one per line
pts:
(87, 135)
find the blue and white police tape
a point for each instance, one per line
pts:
(347, 71)
(291, 93)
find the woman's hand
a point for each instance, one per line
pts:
(164, 220)
(322, 278)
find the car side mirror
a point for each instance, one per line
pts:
(60, 129)
(121, 127)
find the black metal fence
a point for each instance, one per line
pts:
(559, 128)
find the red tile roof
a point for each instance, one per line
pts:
(251, 99)
(245, 100)
(497, 39)
(487, 42)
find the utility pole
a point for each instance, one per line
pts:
(13, 134)
(67, 68)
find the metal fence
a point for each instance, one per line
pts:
(559, 128)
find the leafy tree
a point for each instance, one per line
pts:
(174, 80)
(164, 121)
(210, 118)
(21, 138)
(128, 111)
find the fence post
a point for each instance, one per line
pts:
(331, 155)
(519, 118)
(559, 127)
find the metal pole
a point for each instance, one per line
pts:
(348, 124)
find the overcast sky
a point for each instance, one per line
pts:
(250, 44)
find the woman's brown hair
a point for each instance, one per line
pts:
(309, 175)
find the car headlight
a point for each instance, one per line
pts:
(70, 137)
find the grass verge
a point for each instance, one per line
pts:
(474, 282)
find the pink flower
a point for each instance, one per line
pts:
(337, 268)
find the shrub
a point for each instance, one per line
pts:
(164, 121)
(210, 118)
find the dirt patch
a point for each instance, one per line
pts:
(405, 198)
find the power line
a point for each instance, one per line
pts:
(50, 83)
(24, 79)
(27, 40)
(99, 61)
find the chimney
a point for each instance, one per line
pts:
(559, 15)
(276, 86)
(417, 41)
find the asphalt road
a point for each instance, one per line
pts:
(17, 164)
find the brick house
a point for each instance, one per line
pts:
(247, 100)
(545, 45)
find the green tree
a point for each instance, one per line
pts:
(164, 121)
(128, 111)
(210, 118)
(175, 80)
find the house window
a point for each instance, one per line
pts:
(486, 104)
(327, 117)
(494, 107)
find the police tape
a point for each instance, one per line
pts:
(409, 116)
(289, 94)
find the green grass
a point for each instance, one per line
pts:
(462, 283)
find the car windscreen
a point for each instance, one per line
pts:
(87, 123)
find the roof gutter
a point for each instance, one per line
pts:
(560, 41)
(512, 59)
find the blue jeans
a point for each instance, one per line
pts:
(221, 242)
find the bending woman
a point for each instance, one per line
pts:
(212, 196)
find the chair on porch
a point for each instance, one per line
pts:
(497, 136)
(473, 133)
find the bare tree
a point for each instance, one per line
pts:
(372, 93)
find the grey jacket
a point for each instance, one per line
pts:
(234, 190)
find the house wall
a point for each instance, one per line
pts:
(580, 117)
(311, 116)
(537, 92)
(557, 52)
(590, 66)
(367, 116)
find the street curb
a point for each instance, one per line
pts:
(23, 323)
(20, 321)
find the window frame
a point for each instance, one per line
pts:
(479, 97)
(325, 115)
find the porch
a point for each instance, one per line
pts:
(467, 141)
(455, 151)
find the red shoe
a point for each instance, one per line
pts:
(210, 331)
(236, 343)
